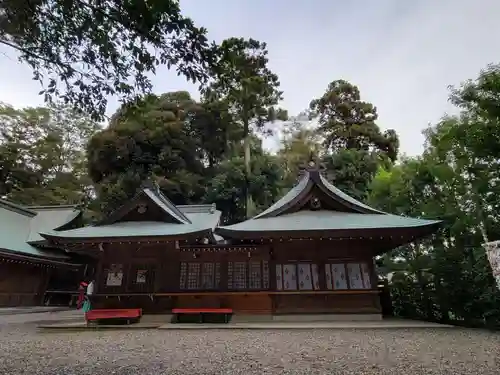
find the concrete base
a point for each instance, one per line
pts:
(327, 318)
(384, 324)
(381, 324)
(157, 318)
(247, 318)
(82, 326)
(32, 310)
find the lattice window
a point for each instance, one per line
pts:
(217, 275)
(183, 276)
(265, 274)
(240, 275)
(193, 279)
(207, 276)
(230, 275)
(255, 281)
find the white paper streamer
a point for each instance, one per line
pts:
(493, 253)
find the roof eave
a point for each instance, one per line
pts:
(34, 258)
(17, 208)
(325, 233)
(65, 239)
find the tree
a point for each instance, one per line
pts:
(347, 122)
(447, 276)
(298, 143)
(479, 99)
(85, 51)
(42, 155)
(241, 78)
(225, 187)
(170, 137)
(352, 170)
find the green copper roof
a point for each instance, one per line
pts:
(324, 221)
(174, 221)
(149, 192)
(167, 205)
(337, 212)
(200, 222)
(16, 225)
(50, 218)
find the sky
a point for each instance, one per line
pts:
(402, 55)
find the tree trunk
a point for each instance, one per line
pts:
(248, 168)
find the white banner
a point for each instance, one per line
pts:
(493, 253)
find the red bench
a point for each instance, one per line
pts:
(202, 311)
(101, 314)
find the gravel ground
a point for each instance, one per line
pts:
(23, 350)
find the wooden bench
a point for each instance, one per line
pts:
(200, 311)
(103, 314)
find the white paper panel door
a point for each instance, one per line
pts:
(355, 276)
(339, 276)
(305, 277)
(366, 276)
(328, 275)
(315, 276)
(279, 277)
(289, 277)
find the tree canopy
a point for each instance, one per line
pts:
(85, 51)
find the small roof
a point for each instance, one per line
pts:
(316, 206)
(16, 230)
(149, 191)
(51, 218)
(172, 220)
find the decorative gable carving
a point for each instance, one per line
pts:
(314, 203)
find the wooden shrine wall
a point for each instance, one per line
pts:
(165, 271)
(326, 259)
(22, 284)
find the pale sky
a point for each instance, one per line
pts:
(401, 54)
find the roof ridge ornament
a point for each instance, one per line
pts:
(149, 183)
(313, 165)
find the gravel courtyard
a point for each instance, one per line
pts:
(23, 350)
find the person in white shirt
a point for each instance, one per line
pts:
(90, 288)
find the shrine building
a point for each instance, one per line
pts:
(312, 252)
(31, 268)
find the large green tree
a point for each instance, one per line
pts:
(447, 276)
(170, 137)
(241, 78)
(84, 50)
(42, 155)
(347, 122)
(226, 185)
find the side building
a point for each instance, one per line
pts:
(29, 265)
(312, 252)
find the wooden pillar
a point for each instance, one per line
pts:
(373, 272)
(224, 261)
(98, 276)
(272, 277)
(42, 286)
(322, 261)
(272, 269)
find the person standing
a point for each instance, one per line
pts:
(81, 294)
